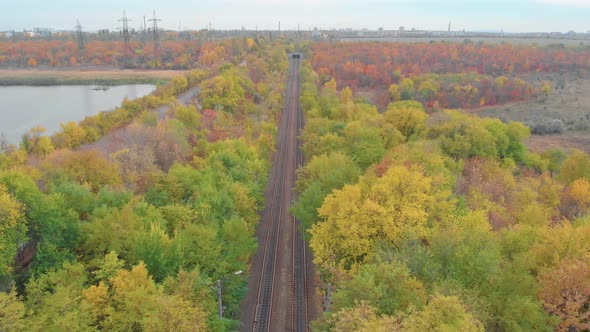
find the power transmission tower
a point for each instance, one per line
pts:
(145, 29)
(125, 29)
(80, 36)
(143, 32)
(155, 20)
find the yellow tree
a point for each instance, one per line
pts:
(546, 87)
(12, 312)
(35, 143)
(133, 301)
(250, 42)
(579, 191)
(408, 117)
(71, 135)
(330, 85)
(87, 166)
(362, 318)
(576, 166)
(346, 95)
(394, 92)
(175, 314)
(394, 208)
(443, 313)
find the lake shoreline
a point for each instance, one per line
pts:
(111, 77)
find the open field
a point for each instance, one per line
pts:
(475, 39)
(560, 119)
(76, 76)
(573, 140)
(570, 104)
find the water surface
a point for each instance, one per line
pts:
(24, 107)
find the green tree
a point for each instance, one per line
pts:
(465, 136)
(466, 250)
(48, 217)
(555, 158)
(53, 300)
(388, 287)
(161, 255)
(13, 230)
(363, 143)
(200, 247)
(317, 178)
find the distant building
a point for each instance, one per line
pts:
(42, 32)
(316, 34)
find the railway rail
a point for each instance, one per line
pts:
(279, 291)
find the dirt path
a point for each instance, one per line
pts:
(113, 141)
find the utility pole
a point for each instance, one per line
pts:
(328, 298)
(219, 301)
(218, 292)
(80, 36)
(125, 30)
(156, 39)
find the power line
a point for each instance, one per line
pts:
(125, 29)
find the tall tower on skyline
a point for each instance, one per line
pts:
(155, 20)
(80, 36)
(125, 29)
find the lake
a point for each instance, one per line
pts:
(24, 107)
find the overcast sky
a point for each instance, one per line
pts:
(509, 16)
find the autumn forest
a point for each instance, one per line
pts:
(421, 213)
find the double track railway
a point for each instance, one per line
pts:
(279, 290)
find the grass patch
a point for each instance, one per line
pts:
(94, 77)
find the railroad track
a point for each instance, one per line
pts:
(299, 284)
(279, 299)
